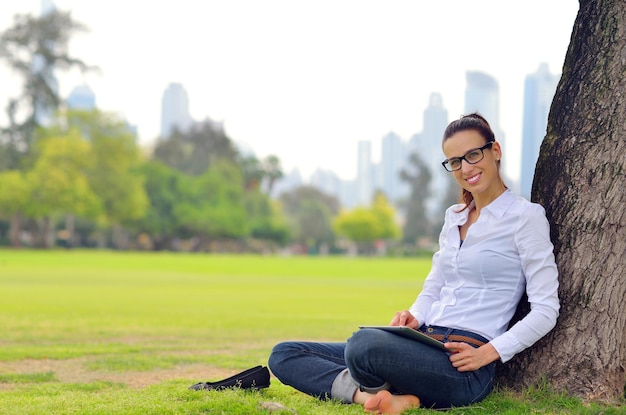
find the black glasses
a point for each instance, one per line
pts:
(472, 157)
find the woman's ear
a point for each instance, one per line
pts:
(497, 150)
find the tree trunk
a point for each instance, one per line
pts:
(14, 230)
(579, 179)
(70, 227)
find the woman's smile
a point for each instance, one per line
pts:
(473, 179)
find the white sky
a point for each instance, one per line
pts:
(306, 80)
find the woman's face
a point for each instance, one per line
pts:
(482, 176)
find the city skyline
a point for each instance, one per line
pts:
(307, 81)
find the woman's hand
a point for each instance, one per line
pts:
(404, 318)
(467, 358)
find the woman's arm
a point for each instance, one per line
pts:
(539, 267)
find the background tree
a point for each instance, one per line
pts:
(58, 184)
(266, 218)
(579, 179)
(219, 201)
(195, 150)
(162, 184)
(366, 226)
(418, 177)
(273, 171)
(35, 47)
(309, 213)
(14, 198)
(113, 175)
(208, 207)
(253, 172)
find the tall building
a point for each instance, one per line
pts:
(482, 94)
(175, 110)
(287, 183)
(365, 176)
(392, 161)
(435, 123)
(539, 89)
(327, 181)
(81, 98)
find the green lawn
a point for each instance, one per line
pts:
(89, 332)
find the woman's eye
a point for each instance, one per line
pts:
(473, 155)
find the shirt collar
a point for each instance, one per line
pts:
(500, 205)
(497, 208)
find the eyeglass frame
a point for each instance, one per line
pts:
(482, 149)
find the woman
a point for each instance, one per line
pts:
(492, 248)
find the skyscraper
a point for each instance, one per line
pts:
(365, 177)
(174, 110)
(482, 95)
(392, 161)
(429, 150)
(539, 89)
(327, 181)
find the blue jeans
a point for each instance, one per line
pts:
(374, 360)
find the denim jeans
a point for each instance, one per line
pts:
(374, 360)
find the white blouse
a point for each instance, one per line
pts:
(477, 286)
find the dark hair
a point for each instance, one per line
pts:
(473, 121)
(478, 123)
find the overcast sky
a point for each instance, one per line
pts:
(306, 80)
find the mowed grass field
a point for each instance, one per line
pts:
(96, 332)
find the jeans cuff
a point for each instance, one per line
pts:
(344, 387)
(385, 387)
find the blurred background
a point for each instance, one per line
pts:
(275, 127)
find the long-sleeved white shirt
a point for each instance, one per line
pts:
(476, 285)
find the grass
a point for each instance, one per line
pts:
(92, 332)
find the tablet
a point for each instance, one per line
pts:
(410, 334)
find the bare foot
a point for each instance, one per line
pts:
(386, 403)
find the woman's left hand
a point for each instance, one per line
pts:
(467, 358)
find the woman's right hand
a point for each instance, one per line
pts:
(404, 318)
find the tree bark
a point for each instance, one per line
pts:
(14, 230)
(579, 179)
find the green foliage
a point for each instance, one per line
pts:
(58, 180)
(113, 176)
(217, 193)
(252, 172)
(215, 205)
(266, 218)
(260, 172)
(210, 205)
(385, 217)
(310, 212)
(273, 171)
(194, 151)
(367, 225)
(161, 186)
(34, 48)
(359, 225)
(15, 193)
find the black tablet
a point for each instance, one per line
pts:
(410, 334)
